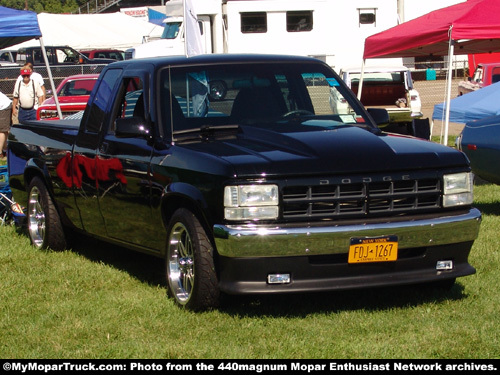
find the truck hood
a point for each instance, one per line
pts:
(344, 150)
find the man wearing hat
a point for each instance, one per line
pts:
(37, 77)
(27, 94)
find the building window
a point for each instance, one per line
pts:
(367, 16)
(297, 21)
(254, 22)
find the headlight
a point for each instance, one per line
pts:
(47, 113)
(251, 202)
(457, 189)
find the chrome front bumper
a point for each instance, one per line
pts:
(280, 241)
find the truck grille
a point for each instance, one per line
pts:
(337, 201)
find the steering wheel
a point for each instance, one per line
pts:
(297, 113)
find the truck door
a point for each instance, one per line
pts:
(123, 168)
(84, 167)
(206, 34)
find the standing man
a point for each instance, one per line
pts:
(37, 77)
(27, 94)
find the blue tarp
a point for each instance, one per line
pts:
(475, 105)
(17, 26)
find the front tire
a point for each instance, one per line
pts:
(44, 224)
(190, 270)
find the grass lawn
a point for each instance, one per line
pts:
(100, 301)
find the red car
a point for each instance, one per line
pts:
(73, 94)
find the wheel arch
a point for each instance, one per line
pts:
(33, 169)
(182, 195)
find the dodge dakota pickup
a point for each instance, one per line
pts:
(264, 190)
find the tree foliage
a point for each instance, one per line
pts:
(47, 6)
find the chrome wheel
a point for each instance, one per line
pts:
(36, 218)
(44, 224)
(189, 260)
(180, 263)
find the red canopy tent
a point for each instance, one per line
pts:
(465, 28)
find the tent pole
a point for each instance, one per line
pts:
(361, 77)
(44, 53)
(451, 51)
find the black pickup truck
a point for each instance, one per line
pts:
(259, 189)
(56, 55)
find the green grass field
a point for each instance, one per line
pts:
(100, 301)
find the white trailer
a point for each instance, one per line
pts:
(331, 30)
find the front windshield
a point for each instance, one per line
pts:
(284, 97)
(171, 30)
(80, 87)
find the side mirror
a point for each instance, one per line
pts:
(379, 115)
(131, 127)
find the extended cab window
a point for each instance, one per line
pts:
(103, 96)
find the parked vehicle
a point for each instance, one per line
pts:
(480, 141)
(484, 75)
(72, 93)
(264, 191)
(56, 55)
(113, 54)
(388, 87)
(8, 57)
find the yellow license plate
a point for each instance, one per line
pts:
(374, 249)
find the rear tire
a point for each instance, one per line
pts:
(190, 270)
(44, 224)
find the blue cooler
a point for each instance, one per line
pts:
(8, 208)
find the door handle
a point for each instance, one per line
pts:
(104, 149)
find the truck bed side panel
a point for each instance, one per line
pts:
(45, 152)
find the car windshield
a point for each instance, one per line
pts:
(77, 87)
(170, 30)
(287, 97)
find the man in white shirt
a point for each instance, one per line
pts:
(37, 77)
(27, 94)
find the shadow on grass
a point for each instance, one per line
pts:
(370, 299)
(146, 268)
(150, 270)
(489, 208)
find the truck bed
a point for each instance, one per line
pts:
(380, 95)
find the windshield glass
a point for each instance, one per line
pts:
(77, 87)
(296, 97)
(171, 30)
